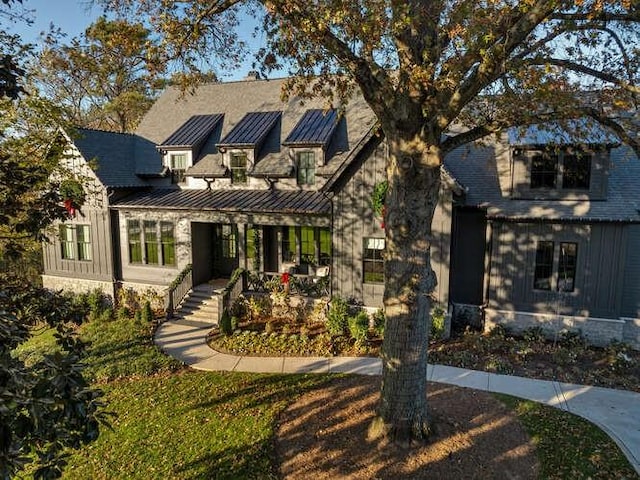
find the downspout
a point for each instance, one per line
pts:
(112, 234)
(330, 196)
(487, 264)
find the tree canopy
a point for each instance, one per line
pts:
(438, 75)
(106, 78)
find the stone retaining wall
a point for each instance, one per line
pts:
(77, 285)
(597, 331)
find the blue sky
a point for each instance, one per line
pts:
(73, 17)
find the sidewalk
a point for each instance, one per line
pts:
(617, 412)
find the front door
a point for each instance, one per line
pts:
(270, 247)
(225, 243)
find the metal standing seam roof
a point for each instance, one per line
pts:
(251, 130)
(231, 200)
(570, 132)
(192, 132)
(314, 128)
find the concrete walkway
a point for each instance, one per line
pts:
(617, 412)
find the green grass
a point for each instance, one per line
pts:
(190, 425)
(41, 343)
(175, 423)
(122, 349)
(569, 446)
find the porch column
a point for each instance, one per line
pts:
(241, 243)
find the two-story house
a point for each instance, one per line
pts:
(231, 176)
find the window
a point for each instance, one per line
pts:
(178, 165)
(544, 266)
(307, 245)
(567, 169)
(135, 243)
(151, 249)
(238, 168)
(567, 266)
(75, 242)
(289, 254)
(306, 168)
(228, 241)
(167, 239)
(158, 240)
(325, 246)
(544, 170)
(567, 260)
(576, 172)
(373, 260)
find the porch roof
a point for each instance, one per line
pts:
(228, 200)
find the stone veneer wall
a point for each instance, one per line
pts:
(77, 285)
(597, 331)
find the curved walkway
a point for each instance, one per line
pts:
(617, 412)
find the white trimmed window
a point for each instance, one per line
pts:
(177, 165)
(373, 260)
(306, 168)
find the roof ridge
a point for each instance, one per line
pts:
(102, 130)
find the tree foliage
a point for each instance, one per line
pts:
(106, 79)
(438, 75)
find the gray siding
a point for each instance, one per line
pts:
(100, 267)
(600, 265)
(354, 221)
(631, 290)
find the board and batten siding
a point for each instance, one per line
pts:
(631, 290)
(100, 267)
(354, 221)
(600, 265)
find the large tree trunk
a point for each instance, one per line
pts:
(413, 173)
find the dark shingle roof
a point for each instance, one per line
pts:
(484, 171)
(314, 128)
(231, 200)
(115, 156)
(192, 132)
(251, 130)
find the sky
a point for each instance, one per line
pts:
(74, 16)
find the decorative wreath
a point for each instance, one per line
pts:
(378, 198)
(72, 194)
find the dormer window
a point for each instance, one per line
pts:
(566, 169)
(177, 165)
(306, 164)
(238, 168)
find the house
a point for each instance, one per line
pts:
(231, 176)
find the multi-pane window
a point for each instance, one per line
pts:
(576, 172)
(373, 260)
(306, 168)
(228, 241)
(168, 242)
(135, 241)
(152, 243)
(564, 263)
(289, 244)
(325, 246)
(75, 242)
(566, 169)
(308, 245)
(544, 170)
(178, 165)
(544, 266)
(567, 266)
(238, 167)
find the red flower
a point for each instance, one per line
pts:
(285, 278)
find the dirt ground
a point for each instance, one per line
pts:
(323, 436)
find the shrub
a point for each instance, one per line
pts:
(147, 313)
(437, 322)
(270, 326)
(123, 313)
(137, 316)
(534, 335)
(97, 302)
(106, 315)
(337, 317)
(359, 326)
(379, 322)
(226, 327)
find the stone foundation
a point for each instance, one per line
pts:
(77, 285)
(597, 331)
(156, 294)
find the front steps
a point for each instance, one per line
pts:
(203, 305)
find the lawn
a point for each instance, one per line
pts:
(172, 422)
